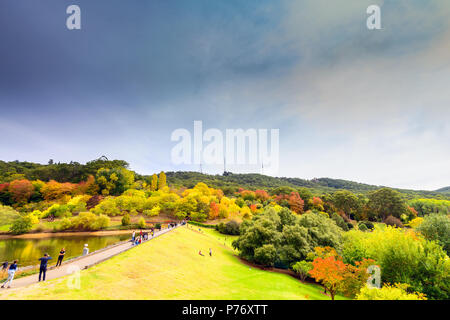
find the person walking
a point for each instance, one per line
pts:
(132, 236)
(43, 267)
(11, 272)
(61, 257)
(210, 252)
(85, 250)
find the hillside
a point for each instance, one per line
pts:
(170, 267)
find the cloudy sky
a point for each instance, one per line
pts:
(371, 106)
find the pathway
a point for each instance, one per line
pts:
(82, 262)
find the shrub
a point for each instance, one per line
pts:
(350, 225)
(21, 225)
(388, 292)
(403, 258)
(436, 227)
(266, 255)
(302, 268)
(368, 224)
(57, 211)
(362, 227)
(339, 221)
(126, 220)
(393, 221)
(231, 228)
(158, 226)
(142, 223)
(85, 221)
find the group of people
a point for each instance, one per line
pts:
(210, 252)
(11, 269)
(143, 236)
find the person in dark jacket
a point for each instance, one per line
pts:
(61, 257)
(43, 267)
(11, 271)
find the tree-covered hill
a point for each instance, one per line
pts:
(75, 172)
(259, 181)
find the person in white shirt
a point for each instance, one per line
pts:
(85, 249)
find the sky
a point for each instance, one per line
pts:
(370, 106)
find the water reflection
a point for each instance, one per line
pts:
(28, 251)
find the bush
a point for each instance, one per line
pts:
(339, 221)
(126, 220)
(350, 225)
(231, 228)
(142, 223)
(302, 268)
(266, 255)
(158, 226)
(436, 227)
(393, 221)
(21, 225)
(57, 211)
(85, 221)
(362, 227)
(368, 224)
(388, 292)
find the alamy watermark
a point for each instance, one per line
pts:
(250, 147)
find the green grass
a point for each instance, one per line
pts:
(170, 267)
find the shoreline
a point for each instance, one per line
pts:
(39, 235)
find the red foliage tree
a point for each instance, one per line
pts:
(21, 190)
(262, 195)
(295, 202)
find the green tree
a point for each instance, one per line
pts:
(345, 201)
(266, 255)
(385, 202)
(21, 225)
(302, 268)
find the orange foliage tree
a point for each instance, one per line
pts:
(330, 272)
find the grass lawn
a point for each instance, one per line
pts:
(170, 267)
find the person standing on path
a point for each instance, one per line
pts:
(85, 250)
(43, 267)
(4, 267)
(61, 257)
(11, 271)
(132, 236)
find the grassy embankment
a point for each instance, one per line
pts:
(170, 267)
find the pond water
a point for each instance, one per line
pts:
(28, 251)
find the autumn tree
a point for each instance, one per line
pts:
(21, 190)
(330, 272)
(154, 182)
(162, 180)
(295, 202)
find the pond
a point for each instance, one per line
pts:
(28, 251)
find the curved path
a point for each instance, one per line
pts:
(82, 262)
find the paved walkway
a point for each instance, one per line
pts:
(83, 262)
